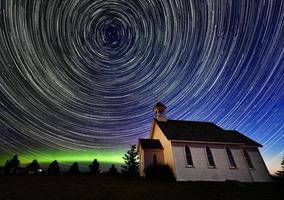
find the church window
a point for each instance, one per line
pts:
(210, 157)
(154, 159)
(231, 158)
(248, 160)
(188, 156)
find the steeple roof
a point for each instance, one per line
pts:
(159, 106)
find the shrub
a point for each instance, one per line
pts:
(54, 168)
(32, 168)
(95, 167)
(74, 169)
(113, 171)
(159, 172)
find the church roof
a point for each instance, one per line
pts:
(202, 131)
(150, 144)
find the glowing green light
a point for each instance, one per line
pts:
(103, 156)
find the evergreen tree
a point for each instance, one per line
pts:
(74, 169)
(113, 171)
(33, 167)
(131, 161)
(12, 165)
(7, 167)
(280, 173)
(15, 163)
(95, 167)
(53, 168)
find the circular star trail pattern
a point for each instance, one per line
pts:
(83, 75)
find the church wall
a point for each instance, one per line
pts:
(259, 173)
(141, 161)
(201, 172)
(147, 159)
(149, 154)
(168, 154)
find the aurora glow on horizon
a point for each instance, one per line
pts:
(79, 78)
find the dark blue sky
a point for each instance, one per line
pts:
(84, 75)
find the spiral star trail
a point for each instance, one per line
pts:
(79, 78)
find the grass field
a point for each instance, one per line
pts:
(88, 187)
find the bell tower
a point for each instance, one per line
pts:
(159, 110)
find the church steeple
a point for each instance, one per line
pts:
(159, 110)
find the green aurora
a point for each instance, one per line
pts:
(103, 156)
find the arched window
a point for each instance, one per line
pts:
(248, 159)
(188, 156)
(210, 158)
(154, 159)
(231, 158)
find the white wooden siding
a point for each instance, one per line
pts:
(201, 171)
(146, 158)
(149, 154)
(260, 172)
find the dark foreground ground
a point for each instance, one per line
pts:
(96, 188)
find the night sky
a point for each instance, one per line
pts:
(79, 78)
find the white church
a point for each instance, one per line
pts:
(201, 151)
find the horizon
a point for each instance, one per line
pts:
(79, 79)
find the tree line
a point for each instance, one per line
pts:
(130, 168)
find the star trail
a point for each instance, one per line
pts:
(79, 78)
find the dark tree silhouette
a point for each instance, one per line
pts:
(113, 171)
(54, 168)
(32, 168)
(131, 162)
(74, 169)
(11, 166)
(280, 173)
(15, 163)
(95, 167)
(7, 167)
